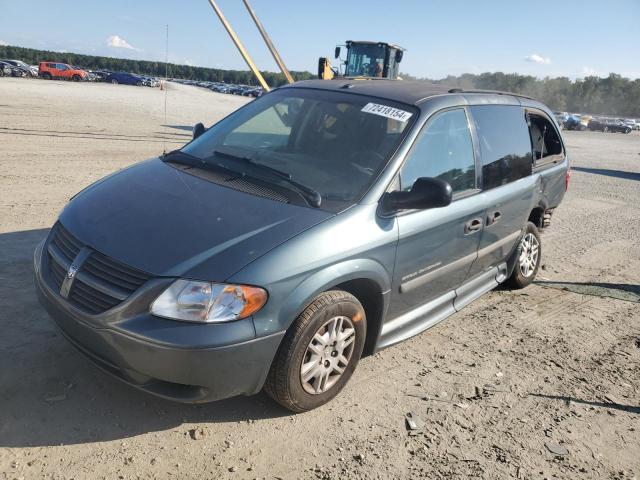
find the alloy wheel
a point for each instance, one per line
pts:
(529, 251)
(327, 355)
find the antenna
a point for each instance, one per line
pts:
(166, 91)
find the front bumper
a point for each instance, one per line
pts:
(180, 361)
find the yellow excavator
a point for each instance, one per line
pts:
(364, 60)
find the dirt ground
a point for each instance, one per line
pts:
(540, 383)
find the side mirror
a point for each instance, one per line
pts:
(337, 52)
(399, 56)
(198, 129)
(425, 193)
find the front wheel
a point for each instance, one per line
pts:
(528, 258)
(114, 81)
(319, 353)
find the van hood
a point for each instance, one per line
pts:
(168, 223)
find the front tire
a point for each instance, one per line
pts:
(528, 258)
(319, 352)
(114, 81)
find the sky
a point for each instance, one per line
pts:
(573, 38)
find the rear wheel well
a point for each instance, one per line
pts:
(537, 216)
(368, 294)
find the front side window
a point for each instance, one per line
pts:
(505, 145)
(331, 142)
(443, 150)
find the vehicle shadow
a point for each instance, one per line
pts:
(51, 395)
(613, 405)
(620, 291)
(186, 128)
(609, 173)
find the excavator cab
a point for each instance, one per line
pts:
(365, 59)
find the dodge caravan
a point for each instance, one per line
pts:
(321, 222)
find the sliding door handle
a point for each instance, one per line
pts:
(494, 217)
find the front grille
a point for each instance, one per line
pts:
(101, 283)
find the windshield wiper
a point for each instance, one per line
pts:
(312, 196)
(178, 156)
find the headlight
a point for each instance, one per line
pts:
(206, 302)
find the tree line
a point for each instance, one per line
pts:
(146, 67)
(613, 95)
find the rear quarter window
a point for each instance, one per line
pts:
(505, 145)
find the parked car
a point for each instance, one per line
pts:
(5, 69)
(31, 70)
(149, 81)
(54, 70)
(320, 222)
(576, 122)
(101, 75)
(607, 125)
(13, 71)
(124, 78)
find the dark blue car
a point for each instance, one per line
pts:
(124, 78)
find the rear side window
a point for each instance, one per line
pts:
(545, 141)
(505, 144)
(443, 150)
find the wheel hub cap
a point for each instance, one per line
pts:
(327, 355)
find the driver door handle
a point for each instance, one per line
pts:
(473, 225)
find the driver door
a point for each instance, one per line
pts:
(436, 247)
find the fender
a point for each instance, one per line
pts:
(294, 303)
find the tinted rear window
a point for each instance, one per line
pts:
(505, 145)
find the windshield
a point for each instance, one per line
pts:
(331, 143)
(365, 61)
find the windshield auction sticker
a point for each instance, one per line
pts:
(386, 111)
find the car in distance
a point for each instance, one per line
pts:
(5, 69)
(11, 70)
(31, 70)
(323, 221)
(124, 78)
(56, 70)
(607, 125)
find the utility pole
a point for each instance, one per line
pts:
(270, 45)
(239, 45)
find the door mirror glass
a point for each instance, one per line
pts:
(198, 129)
(337, 52)
(399, 56)
(425, 193)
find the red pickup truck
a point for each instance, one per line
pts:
(51, 70)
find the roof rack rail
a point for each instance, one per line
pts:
(495, 92)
